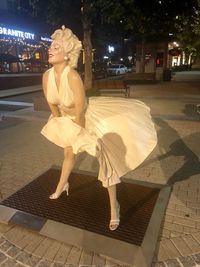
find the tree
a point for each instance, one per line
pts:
(188, 32)
(87, 9)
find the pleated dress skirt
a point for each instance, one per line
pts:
(118, 131)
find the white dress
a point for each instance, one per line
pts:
(118, 131)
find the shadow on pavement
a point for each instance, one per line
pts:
(188, 162)
(192, 110)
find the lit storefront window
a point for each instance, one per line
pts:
(22, 51)
(37, 55)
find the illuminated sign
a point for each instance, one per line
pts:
(111, 49)
(16, 33)
(46, 39)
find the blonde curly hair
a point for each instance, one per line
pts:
(72, 45)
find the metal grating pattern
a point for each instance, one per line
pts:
(87, 206)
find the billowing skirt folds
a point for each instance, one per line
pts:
(118, 131)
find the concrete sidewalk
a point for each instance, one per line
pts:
(20, 91)
(175, 161)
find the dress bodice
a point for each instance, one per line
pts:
(62, 96)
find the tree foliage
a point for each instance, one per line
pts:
(139, 19)
(145, 17)
(188, 31)
(57, 12)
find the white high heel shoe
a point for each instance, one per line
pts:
(56, 196)
(115, 223)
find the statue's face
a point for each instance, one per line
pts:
(56, 52)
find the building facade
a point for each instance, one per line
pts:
(23, 48)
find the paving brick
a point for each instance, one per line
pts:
(198, 225)
(181, 246)
(23, 257)
(34, 243)
(42, 247)
(177, 202)
(111, 264)
(5, 246)
(194, 180)
(62, 254)
(186, 209)
(159, 264)
(196, 236)
(56, 264)
(8, 263)
(86, 257)
(162, 255)
(168, 218)
(26, 240)
(198, 212)
(187, 261)
(71, 265)
(45, 263)
(189, 230)
(192, 194)
(194, 205)
(183, 188)
(176, 188)
(176, 185)
(75, 265)
(170, 249)
(74, 255)
(4, 227)
(182, 214)
(99, 260)
(15, 234)
(2, 257)
(2, 240)
(196, 258)
(173, 227)
(192, 243)
(166, 233)
(172, 263)
(184, 222)
(167, 225)
(13, 251)
(194, 200)
(192, 185)
(19, 265)
(175, 234)
(182, 195)
(52, 251)
(171, 206)
(32, 261)
(171, 212)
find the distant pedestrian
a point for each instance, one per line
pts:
(118, 131)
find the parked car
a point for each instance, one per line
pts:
(117, 69)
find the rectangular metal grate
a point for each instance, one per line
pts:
(87, 206)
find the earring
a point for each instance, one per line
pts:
(65, 58)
